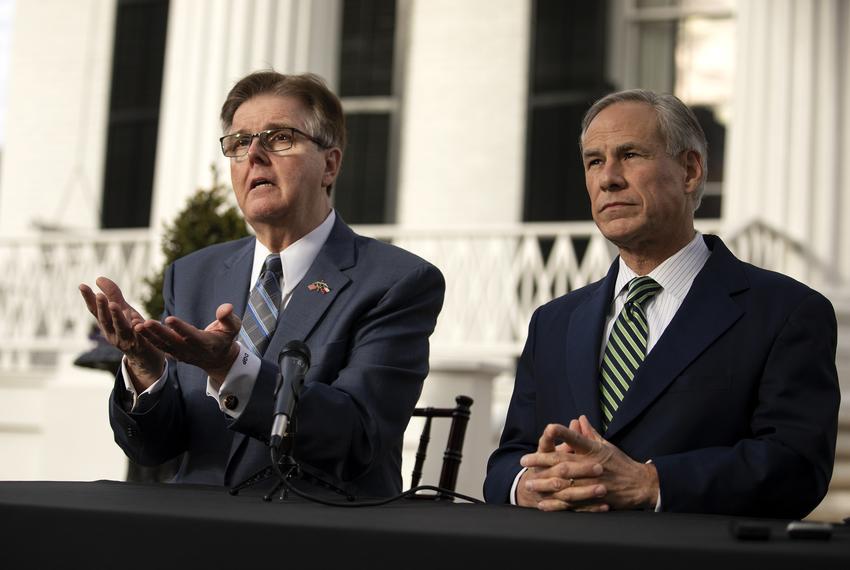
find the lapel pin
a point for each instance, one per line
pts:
(319, 286)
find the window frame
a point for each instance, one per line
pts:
(391, 104)
(626, 17)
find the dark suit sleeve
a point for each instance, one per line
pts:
(521, 430)
(348, 423)
(156, 434)
(784, 467)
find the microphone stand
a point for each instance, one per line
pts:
(285, 467)
(281, 465)
(282, 440)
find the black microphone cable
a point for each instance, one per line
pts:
(350, 502)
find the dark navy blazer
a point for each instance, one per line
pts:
(368, 337)
(736, 404)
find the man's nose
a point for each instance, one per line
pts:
(256, 152)
(611, 178)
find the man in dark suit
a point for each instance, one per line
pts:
(685, 380)
(200, 382)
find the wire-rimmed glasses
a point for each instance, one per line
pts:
(272, 140)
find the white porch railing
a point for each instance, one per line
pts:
(495, 276)
(771, 248)
(41, 311)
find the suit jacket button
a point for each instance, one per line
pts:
(231, 401)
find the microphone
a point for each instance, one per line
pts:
(293, 362)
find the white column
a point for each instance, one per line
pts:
(211, 44)
(464, 112)
(790, 139)
(57, 108)
(843, 256)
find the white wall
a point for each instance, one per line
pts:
(788, 161)
(21, 428)
(58, 428)
(464, 106)
(58, 100)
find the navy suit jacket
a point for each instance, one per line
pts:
(368, 338)
(736, 405)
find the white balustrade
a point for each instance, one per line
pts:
(495, 277)
(41, 311)
(766, 246)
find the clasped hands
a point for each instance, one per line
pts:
(575, 468)
(146, 342)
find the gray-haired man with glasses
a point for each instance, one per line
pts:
(200, 382)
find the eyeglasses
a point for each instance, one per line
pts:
(273, 140)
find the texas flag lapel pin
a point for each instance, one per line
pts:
(319, 286)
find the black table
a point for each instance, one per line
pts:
(108, 524)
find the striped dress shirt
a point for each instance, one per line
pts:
(676, 275)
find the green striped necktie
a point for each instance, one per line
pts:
(626, 347)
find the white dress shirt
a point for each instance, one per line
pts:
(239, 381)
(676, 274)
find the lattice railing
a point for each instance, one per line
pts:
(41, 311)
(769, 247)
(495, 277)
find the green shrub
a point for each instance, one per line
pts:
(207, 219)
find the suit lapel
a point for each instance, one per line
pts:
(307, 306)
(234, 281)
(706, 313)
(582, 347)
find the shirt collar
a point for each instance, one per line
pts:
(676, 273)
(298, 257)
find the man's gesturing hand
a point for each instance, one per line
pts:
(626, 484)
(116, 319)
(212, 349)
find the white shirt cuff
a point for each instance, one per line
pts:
(232, 397)
(514, 486)
(151, 390)
(658, 503)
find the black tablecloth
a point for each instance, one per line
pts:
(109, 524)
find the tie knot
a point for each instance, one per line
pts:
(642, 289)
(273, 265)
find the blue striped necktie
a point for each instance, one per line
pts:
(260, 318)
(626, 347)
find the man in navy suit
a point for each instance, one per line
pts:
(685, 380)
(200, 385)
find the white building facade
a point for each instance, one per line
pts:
(463, 149)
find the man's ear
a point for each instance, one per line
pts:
(693, 165)
(333, 161)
